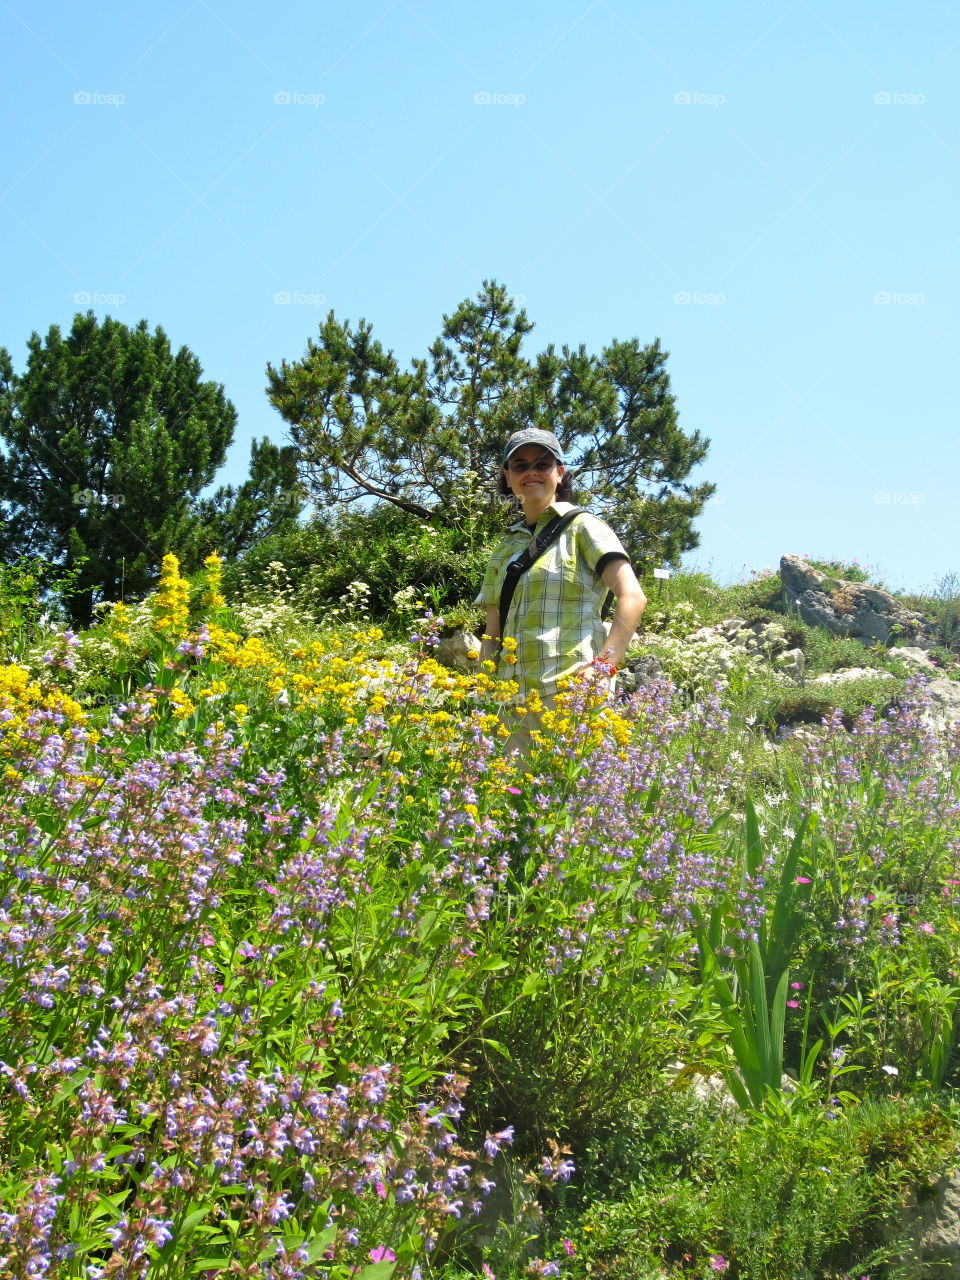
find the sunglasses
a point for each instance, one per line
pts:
(517, 467)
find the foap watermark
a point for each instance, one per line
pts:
(86, 298)
(486, 98)
(888, 298)
(90, 498)
(683, 298)
(894, 98)
(94, 98)
(885, 498)
(294, 98)
(687, 98)
(950, 891)
(294, 298)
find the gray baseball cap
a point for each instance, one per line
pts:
(533, 435)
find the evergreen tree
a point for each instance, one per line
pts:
(429, 439)
(109, 437)
(268, 502)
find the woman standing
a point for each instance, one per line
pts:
(554, 615)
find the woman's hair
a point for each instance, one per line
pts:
(564, 488)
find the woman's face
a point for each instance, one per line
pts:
(533, 474)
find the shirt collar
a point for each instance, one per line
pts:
(554, 509)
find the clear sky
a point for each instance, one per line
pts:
(769, 188)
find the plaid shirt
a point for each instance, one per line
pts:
(555, 611)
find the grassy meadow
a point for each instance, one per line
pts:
(304, 976)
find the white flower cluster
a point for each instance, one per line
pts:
(677, 620)
(268, 617)
(698, 668)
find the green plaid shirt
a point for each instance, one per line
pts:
(555, 611)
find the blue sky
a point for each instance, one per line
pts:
(769, 188)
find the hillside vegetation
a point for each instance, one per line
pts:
(303, 976)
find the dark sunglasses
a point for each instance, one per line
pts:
(541, 464)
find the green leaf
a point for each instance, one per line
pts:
(806, 1069)
(754, 849)
(377, 1271)
(497, 1047)
(320, 1244)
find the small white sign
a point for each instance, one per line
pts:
(661, 573)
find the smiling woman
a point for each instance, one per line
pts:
(551, 627)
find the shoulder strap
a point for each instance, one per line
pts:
(516, 568)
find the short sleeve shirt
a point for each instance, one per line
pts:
(555, 612)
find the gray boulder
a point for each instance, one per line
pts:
(913, 657)
(944, 709)
(849, 608)
(454, 652)
(930, 1232)
(852, 673)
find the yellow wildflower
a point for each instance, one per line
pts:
(212, 597)
(171, 605)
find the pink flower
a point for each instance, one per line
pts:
(515, 791)
(381, 1254)
(800, 880)
(793, 1004)
(798, 986)
(569, 1248)
(718, 1262)
(926, 927)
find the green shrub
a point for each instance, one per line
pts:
(383, 547)
(795, 1191)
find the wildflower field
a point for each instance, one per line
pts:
(304, 976)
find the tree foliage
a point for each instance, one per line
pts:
(428, 439)
(268, 502)
(109, 437)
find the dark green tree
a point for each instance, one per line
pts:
(268, 502)
(109, 436)
(429, 439)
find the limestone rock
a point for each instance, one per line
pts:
(851, 673)
(454, 650)
(944, 708)
(849, 608)
(638, 671)
(913, 657)
(792, 663)
(931, 1227)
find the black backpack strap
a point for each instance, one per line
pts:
(516, 568)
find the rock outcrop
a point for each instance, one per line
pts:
(932, 1229)
(849, 608)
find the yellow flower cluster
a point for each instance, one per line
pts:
(120, 618)
(172, 603)
(571, 712)
(20, 697)
(213, 596)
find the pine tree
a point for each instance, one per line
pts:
(109, 437)
(429, 439)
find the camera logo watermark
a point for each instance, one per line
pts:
(94, 98)
(686, 299)
(891, 98)
(294, 298)
(884, 298)
(686, 98)
(294, 98)
(884, 498)
(84, 298)
(484, 98)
